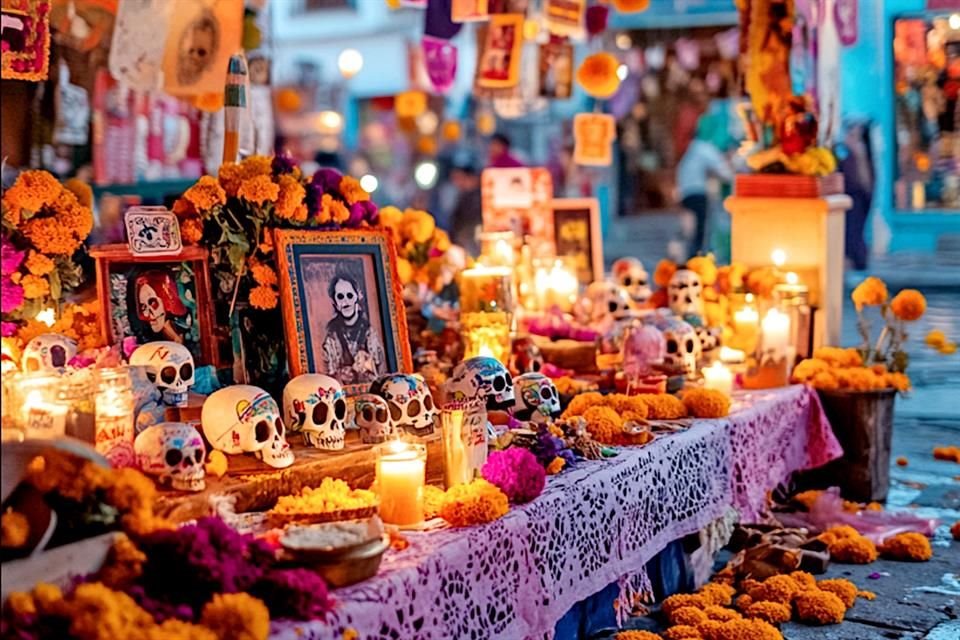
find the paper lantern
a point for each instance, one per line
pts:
(410, 104)
(598, 75)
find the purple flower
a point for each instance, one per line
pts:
(293, 593)
(516, 472)
(10, 258)
(364, 211)
(328, 180)
(283, 163)
(128, 346)
(11, 295)
(8, 329)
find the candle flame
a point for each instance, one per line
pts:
(396, 446)
(779, 257)
(47, 316)
(485, 351)
(792, 278)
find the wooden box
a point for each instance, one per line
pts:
(782, 185)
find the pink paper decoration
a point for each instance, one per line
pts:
(643, 347)
(845, 17)
(440, 60)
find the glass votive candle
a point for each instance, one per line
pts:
(401, 476)
(114, 426)
(43, 414)
(464, 429)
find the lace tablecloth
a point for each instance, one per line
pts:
(595, 524)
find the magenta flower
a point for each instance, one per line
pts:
(516, 472)
(11, 295)
(10, 258)
(8, 329)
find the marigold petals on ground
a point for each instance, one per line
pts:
(910, 547)
(819, 607)
(843, 589)
(772, 612)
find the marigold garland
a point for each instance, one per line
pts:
(475, 503)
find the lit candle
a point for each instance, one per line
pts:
(718, 377)
(732, 356)
(42, 418)
(778, 257)
(556, 286)
(401, 476)
(113, 427)
(496, 248)
(775, 332)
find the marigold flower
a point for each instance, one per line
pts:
(871, 292)
(858, 550)
(332, 210)
(705, 267)
(631, 6)
(191, 230)
(352, 191)
(97, 612)
(682, 632)
(604, 424)
(680, 600)
(710, 628)
(804, 579)
(772, 612)
(597, 75)
(935, 338)
(899, 381)
(262, 297)
(47, 597)
(663, 406)
(716, 612)
(706, 403)
(263, 274)
(253, 166)
(950, 454)
(730, 277)
(819, 607)
(636, 634)
(688, 615)
(237, 616)
(290, 199)
(38, 264)
(35, 286)
(31, 191)
(390, 217)
(839, 357)
(948, 349)
(432, 499)
(230, 176)
(130, 490)
(205, 194)
(259, 190)
(14, 529)
(556, 466)
(745, 629)
(743, 601)
(581, 402)
(417, 226)
(910, 546)
(622, 404)
(664, 271)
(842, 588)
(718, 593)
(780, 588)
(908, 305)
(474, 503)
(21, 604)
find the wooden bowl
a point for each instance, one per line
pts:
(344, 566)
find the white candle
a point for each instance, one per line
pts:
(43, 419)
(732, 356)
(556, 285)
(776, 333)
(719, 377)
(745, 318)
(401, 475)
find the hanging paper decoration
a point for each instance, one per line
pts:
(598, 75)
(565, 17)
(73, 111)
(596, 18)
(845, 17)
(26, 40)
(498, 65)
(437, 20)
(556, 69)
(139, 35)
(234, 104)
(469, 10)
(688, 53)
(410, 104)
(631, 6)
(593, 135)
(201, 38)
(440, 61)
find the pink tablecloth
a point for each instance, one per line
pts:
(595, 524)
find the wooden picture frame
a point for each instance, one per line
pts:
(576, 228)
(182, 301)
(518, 200)
(498, 62)
(318, 272)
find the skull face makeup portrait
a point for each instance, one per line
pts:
(352, 351)
(155, 308)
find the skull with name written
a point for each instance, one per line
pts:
(316, 406)
(245, 419)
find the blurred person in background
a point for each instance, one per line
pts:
(703, 159)
(856, 163)
(499, 156)
(467, 215)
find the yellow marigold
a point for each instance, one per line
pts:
(173, 629)
(31, 190)
(622, 404)
(217, 464)
(871, 292)
(682, 632)
(35, 286)
(556, 466)
(262, 297)
(332, 210)
(691, 616)
(474, 503)
(772, 612)
(780, 588)
(290, 204)
(948, 349)
(819, 607)
(636, 634)
(205, 194)
(404, 270)
(440, 241)
(263, 274)
(680, 600)
(580, 403)
(597, 75)
(191, 230)
(237, 616)
(730, 277)
(825, 380)
(417, 225)
(804, 579)
(935, 338)
(604, 424)
(39, 264)
(743, 602)
(21, 604)
(910, 546)
(858, 550)
(258, 190)
(391, 217)
(124, 563)
(745, 629)
(908, 305)
(352, 191)
(716, 612)
(230, 176)
(432, 500)
(14, 529)
(663, 406)
(706, 403)
(664, 271)
(899, 381)
(97, 612)
(842, 588)
(806, 370)
(256, 166)
(705, 267)
(718, 593)
(47, 597)
(839, 357)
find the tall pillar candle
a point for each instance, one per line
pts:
(114, 420)
(401, 476)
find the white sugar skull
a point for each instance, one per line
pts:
(683, 347)
(709, 338)
(245, 419)
(537, 397)
(686, 293)
(410, 403)
(316, 406)
(630, 274)
(169, 365)
(482, 377)
(173, 452)
(48, 352)
(604, 303)
(371, 414)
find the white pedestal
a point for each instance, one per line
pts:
(810, 231)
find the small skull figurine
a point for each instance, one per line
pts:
(537, 398)
(174, 452)
(371, 414)
(410, 403)
(630, 274)
(525, 356)
(48, 352)
(245, 419)
(482, 377)
(169, 365)
(605, 302)
(683, 347)
(686, 293)
(315, 405)
(709, 338)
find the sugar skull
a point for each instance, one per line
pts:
(630, 274)
(169, 365)
(683, 347)
(685, 293)
(371, 414)
(709, 338)
(245, 419)
(525, 356)
(174, 452)
(48, 352)
(604, 303)
(315, 405)
(482, 377)
(643, 348)
(409, 401)
(537, 398)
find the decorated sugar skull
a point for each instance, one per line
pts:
(709, 338)
(525, 356)
(683, 346)
(409, 402)
(48, 352)
(372, 417)
(685, 293)
(537, 397)
(169, 365)
(315, 405)
(605, 302)
(643, 348)
(630, 274)
(174, 452)
(245, 419)
(482, 377)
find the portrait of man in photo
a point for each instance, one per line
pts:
(352, 350)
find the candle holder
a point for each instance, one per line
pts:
(464, 429)
(794, 300)
(42, 413)
(114, 426)
(486, 311)
(774, 354)
(401, 476)
(719, 377)
(497, 249)
(744, 322)
(555, 283)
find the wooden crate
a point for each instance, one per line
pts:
(770, 185)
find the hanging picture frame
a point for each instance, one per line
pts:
(26, 40)
(576, 229)
(498, 65)
(593, 136)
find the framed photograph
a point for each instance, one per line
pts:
(518, 200)
(468, 10)
(156, 298)
(593, 136)
(556, 70)
(342, 304)
(565, 17)
(576, 226)
(498, 65)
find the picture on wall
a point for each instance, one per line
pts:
(342, 305)
(576, 226)
(498, 65)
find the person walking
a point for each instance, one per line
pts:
(703, 159)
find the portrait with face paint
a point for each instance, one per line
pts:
(157, 306)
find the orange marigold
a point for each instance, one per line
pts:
(871, 292)
(743, 601)
(258, 190)
(687, 615)
(238, 616)
(191, 230)
(718, 593)
(935, 338)
(663, 406)
(806, 370)
(664, 271)
(35, 286)
(97, 612)
(14, 529)
(581, 402)
(31, 190)
(38, 264)
(262, 297)
(780, 588)
(908, 305)
(804, 579)
(819, 607)
(706, 403)
(950, 454)
(256, 166)
(910, 546)
(556, 466)
(680, 600)
(352, 191)
(622, 404)
(230, 176)
(745, 629)
(682, 632)
(730, 277)
(474, 503)
(205, 194)
(21, 604)
(772, 612)
(636, 634)
(597, 75)
(332, 210)
(124, 563)
(859, 550)
(80, 189)
(263, 274)
(842, 588)
(604, 424)
(716, 612)
(899, 381)
(839, 357)
(705, 267)
(290, 205)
